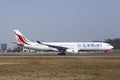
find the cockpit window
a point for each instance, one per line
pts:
(108, 45)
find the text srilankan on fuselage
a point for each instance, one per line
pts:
(90, 45)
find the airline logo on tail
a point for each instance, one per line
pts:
(21, 39)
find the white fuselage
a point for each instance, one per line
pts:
(71, 45)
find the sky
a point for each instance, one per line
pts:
(60, 20)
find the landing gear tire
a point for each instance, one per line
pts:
(61, 53)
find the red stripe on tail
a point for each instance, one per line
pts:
(21, 40)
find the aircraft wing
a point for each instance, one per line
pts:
(17, 44)
(53, 46)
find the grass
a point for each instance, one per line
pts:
(60, 68)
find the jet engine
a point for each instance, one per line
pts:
(72, 50)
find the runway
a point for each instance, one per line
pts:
(55, 54)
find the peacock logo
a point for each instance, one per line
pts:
(22, 39)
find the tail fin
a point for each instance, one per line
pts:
(21, 39)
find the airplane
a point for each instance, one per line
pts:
(61, 47)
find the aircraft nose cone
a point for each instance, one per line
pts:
(111, 47)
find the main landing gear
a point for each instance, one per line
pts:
(61, 53)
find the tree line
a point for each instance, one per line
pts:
(114, 42)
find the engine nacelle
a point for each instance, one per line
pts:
(72, 50)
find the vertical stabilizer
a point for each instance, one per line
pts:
(21, 39)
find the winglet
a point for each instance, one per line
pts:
(39, 42)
